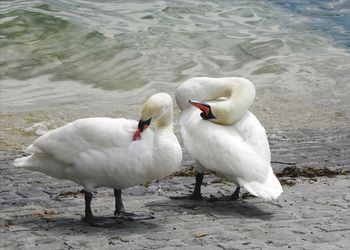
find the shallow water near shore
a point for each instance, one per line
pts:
(61, 60)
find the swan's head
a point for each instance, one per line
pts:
(157, 108)
(217, 112)
(206, 109)
(221, 100)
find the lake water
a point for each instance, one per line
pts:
(61, 60)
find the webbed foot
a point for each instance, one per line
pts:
(133, 216)
(233, 197)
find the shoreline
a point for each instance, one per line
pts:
(39, 211)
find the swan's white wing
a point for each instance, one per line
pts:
(254, 134)
(117, 167)
(83, 135)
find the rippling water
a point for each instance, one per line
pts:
(99, 57)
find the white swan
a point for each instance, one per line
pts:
(106, 152)
(224, 137)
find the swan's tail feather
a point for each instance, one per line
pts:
(32, 162)
(271, 189)
(21, 162)
(35, 161)
(43, 163)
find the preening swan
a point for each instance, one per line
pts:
(224, 137)
(106, 152)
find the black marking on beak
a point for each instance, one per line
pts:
(144, 124)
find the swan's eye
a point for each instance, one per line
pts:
(204, 116)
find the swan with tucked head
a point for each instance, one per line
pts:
(106, 152)
(224, 137)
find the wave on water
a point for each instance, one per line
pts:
(284, 47)
(330, 17)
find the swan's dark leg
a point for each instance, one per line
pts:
(196, 195)
(235, 195)
(197, 188)
(89, 217)
(88, 212)
(121, 213)
(119, 206)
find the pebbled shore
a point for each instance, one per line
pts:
(313, 212)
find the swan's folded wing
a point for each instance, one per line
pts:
(83, 135)
(254, 134)
(252, 170)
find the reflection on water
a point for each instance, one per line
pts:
(108, 54)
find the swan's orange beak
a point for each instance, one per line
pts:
(205, 108)
(142, 126)
(202, 106)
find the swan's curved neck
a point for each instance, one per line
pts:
(239, 93)
(241, 97)
(165, 121)
(164, 140)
